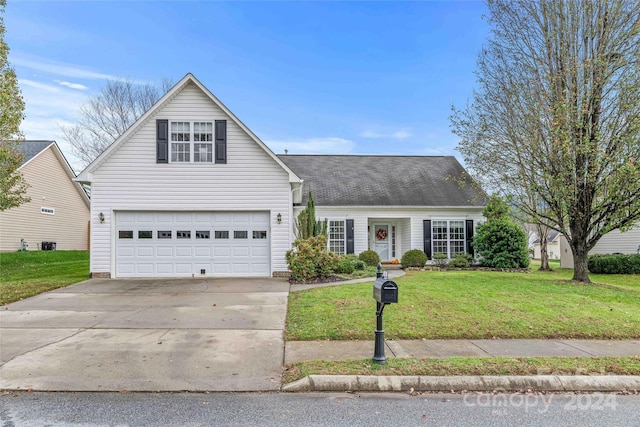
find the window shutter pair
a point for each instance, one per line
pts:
(426, 232)
(162, 141)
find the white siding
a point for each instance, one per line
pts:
(50, 187)
(410, 237)
(131, 180)
(617, 241)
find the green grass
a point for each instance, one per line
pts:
(474, 304)
(469, 366)
(24, 274)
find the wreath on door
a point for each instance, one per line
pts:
(381, 234)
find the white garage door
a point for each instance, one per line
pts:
(186, 244)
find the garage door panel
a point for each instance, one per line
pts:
(164, 251)
(183, 251)
(165, 244)
(164, 268)
(144, 269)
(259, 251)
(241, 251)
(203, 251)
(221, 251)
(145, 251)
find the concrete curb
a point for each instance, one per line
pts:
(559, 383)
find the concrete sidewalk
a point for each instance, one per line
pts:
(297, 351)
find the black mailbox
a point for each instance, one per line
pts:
(385, 291)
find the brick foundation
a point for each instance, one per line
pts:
(281, 274)
(100, 275)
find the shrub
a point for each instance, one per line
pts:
(460, 261)
(358, 265)
(310, 259)
(414, 258)
(614, 264)
(440, 259)
(370, 257)
(345, 266)
(502, 244)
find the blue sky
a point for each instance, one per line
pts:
(312, 77)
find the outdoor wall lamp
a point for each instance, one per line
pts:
(279, 218)
(101, 217)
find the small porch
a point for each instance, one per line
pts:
(389, 237)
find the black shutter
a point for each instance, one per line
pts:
(426, 234)
(469, 236)
(221, 141)
(349, 236)
(162, 141)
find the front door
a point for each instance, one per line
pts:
(381, 240)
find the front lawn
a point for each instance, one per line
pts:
(24, 274)
(474, 304)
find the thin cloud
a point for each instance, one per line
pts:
(38, 85)
(400, 134)
(58, 68)
(328, 145)
(72, 85)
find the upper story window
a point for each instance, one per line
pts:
(191, 142)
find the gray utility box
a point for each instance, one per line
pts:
(385, 291)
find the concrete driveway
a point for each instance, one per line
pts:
(147, 335)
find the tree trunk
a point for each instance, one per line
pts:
(543, 233)
(580, 268)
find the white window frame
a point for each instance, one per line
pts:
(47, 211)
(448, 240)
(187, 137)
(333, 239)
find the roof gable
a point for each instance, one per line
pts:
(85, 175)
(350, 180)
(32, 149)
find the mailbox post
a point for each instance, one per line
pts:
(385, 292)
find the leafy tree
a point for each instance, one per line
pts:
(556, 118)
(107, 115)
(307, 225)
(13, 187)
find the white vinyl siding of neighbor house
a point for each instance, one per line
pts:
(49, 187)
(617, 241)
(409, 222)
(131, 180)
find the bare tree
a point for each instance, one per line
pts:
(109, 114)
(556, 117)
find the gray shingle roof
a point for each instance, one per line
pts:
(30, 149)
(385, 180)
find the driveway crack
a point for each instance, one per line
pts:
(46, 345)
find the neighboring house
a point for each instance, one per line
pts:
(553, 245)
(59, 208)
(188, 190)
(627, 242)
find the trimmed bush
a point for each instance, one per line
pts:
(310, 259)
(414, 258)
(358, 265)
(460, 261)
(502, 244)
(369, 257)
(614, 264)
(440, 259)
(345, 266)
